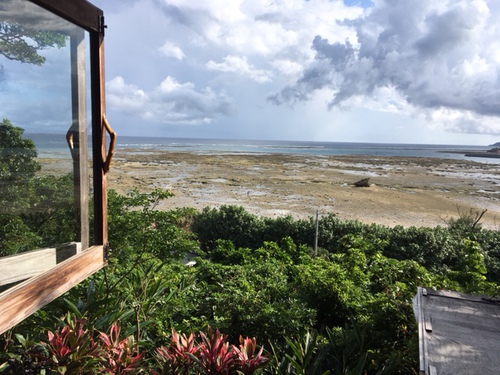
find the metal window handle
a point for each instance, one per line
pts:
(112, 143)
(69, 139)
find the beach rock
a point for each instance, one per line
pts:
(365, 182)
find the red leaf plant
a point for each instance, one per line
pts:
(212, 356)
(72, 349)
(120, 357)
(248, 361)
(178, 355)
(215, 354)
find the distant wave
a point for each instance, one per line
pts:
(56, 143)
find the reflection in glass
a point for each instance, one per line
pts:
(44, 174)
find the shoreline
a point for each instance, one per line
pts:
(486, 154)
(407, 191)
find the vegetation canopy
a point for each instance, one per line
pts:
(201, 292)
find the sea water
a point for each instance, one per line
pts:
(49, 144)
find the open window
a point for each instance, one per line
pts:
(53, 152)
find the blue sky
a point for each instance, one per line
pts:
(320, 70)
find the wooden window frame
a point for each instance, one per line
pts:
(22, 300)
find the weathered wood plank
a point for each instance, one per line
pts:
(81, 13)
(32, 263)
(22, 300)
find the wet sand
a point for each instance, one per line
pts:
(404, 191)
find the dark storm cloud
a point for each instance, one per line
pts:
(446, 32)
(193, 19)
(434, 54)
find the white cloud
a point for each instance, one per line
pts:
(235, 64)
(287, 67)
(260, 27)
(170, 49)
(170, 102)
(124, 96)
(462, 121)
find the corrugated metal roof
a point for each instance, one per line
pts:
(458, 333)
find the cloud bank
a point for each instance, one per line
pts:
(435, 63)
(441, 58)
(170, 102)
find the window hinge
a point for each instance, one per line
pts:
(102, 25)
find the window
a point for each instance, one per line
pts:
(53, 155)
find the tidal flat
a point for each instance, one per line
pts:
(407, 191)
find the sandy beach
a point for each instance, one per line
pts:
(403, 191)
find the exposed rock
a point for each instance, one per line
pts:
(365, 182)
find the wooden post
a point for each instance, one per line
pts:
(99, 135)
(316, 234)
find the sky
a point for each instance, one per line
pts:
(392, 71)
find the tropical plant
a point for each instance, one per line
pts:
(119, 356)
(212, 355)
(326, 287)
(248, 359)
(227, 223)
(215, 356)
(20, 355)
(72, 349)
(347, 310)
(179, 356)
(139, 230)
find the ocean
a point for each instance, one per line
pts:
(49, 144)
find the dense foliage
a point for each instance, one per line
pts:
(346, 310)
(22, 44)
(17, 167)
(35, 211)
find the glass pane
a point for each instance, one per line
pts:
(44, 173)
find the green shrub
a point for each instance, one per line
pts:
(227, 223)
